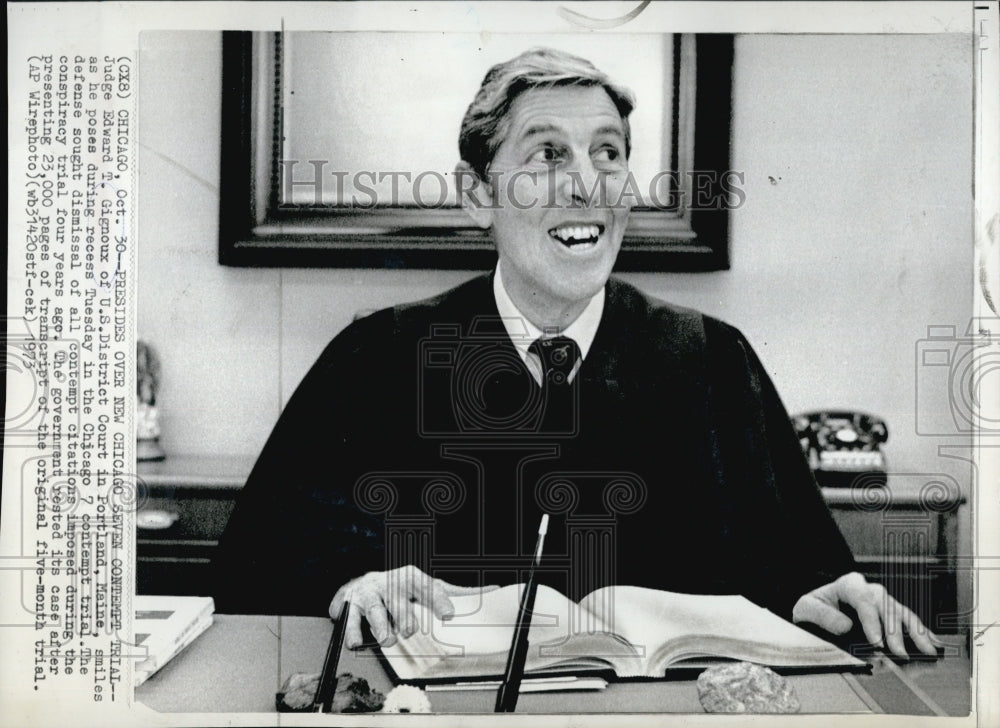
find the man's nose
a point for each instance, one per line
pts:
(580, 182)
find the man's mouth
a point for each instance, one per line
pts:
(577, 237)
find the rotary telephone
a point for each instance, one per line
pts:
(842, 445)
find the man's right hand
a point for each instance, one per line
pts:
(386, 599)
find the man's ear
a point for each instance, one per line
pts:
(475, 195)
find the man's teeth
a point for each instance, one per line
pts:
(576, 234)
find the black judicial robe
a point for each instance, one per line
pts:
(419, 437)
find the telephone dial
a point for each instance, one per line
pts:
(842, 445)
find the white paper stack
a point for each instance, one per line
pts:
(165, 625)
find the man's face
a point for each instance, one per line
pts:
(556, 246)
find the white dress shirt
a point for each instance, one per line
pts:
(522, 332)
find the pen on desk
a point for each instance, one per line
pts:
(511, 685)
(328, 678)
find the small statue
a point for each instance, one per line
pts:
(147, 425)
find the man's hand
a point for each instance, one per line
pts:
(877, 611)
(386, 599)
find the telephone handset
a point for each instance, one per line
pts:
(842, 445)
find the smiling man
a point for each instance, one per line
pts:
(417, 455)
(564, 147)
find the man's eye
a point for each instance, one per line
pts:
(608, 154)
(548, 155)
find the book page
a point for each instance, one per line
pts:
(669, 623)
(476, 640)
(483, 624)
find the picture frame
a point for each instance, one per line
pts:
(257, 228)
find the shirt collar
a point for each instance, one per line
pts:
(522, 332)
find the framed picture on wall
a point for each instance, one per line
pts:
(323, 163)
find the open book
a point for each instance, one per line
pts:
(631, 631)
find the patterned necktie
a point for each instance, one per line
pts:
(558, 356)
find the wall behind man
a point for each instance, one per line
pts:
(854, 237)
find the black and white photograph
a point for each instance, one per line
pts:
(544, 358)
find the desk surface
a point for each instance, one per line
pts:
(241, 661)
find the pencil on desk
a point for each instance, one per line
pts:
(328, 677)
(511, 685)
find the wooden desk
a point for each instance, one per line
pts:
(241, 661)
(197, 496)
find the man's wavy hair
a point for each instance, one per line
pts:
(487, 119)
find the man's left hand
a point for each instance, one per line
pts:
(878, 612)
